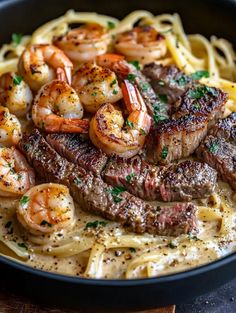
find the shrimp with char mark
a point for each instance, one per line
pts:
(46, 208)
(95, 86)
(10, 128)
(142, 43)
(84, 43)
(16, 176)
(41, 63)
(57, 108)
(109, 131)
(15, 94)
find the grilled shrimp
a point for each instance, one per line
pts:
(57, 108)
(111, 133)
(39, 64)
(10, 128)
(16, 176)
(15, 94)
(143, 44)
(84, 43)
(95, 86)
(46, 208)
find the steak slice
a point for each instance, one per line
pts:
(225, 128)
(97, 197)
(79, 150)
(201, 100)
(167, 80)
(221, 155)
(178, 182)
(175, 139)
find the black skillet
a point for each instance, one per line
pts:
(206, 17)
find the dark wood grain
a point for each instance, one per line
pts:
(12, 303)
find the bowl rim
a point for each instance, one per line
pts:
(76, 280)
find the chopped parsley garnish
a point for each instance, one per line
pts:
(129, 177)
(24, 200)
(200, 74)
(115, 192)
(111, 25)
(135, 64)
(197, 106)
(17, 80)
(45, 223)
(94, 93)
(132, 250)
(142, 132)
(115, 92)
(200, 91)
(213, 147)
(172, 245)
(77, 181)
(95, 224)
(22, 245)
(129, 124)
(145, 87)
(131, 77)
(161, 83)
(164, 153)
(16, 38)
(113, 82)
(163, 98)
(182, 81)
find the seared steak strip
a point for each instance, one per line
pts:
(167, 80)
(180, 182)
(221, 155)
(97, 197)
(225, 128)
(176, 139)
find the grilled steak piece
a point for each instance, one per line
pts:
(181, 182)
(167, 80)
(177, 182)
(97, 197)
(221, 155)
(201, 100)
(79, 150)
(175, 139)
(225, 128)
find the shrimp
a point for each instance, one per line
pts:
(10, 128)
(46, 208)
(142, 43)
(38, 64)
(16, 176)
(15, 94)
(57, 108)
(84, 43)
(109, 131)
(95, 86)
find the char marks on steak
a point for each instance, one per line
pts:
(175, 139)
(177, 182)
(194, 108)
(97, 197)
(168, 80)
(79, 150)
(181, 182)
(219, 150)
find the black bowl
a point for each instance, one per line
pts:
(200, 16)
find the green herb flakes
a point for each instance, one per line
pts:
(131, 77)
(129, 124)
(161, 83)
(94, 94)
(142, 132)
(95, 224)
(113, 82)
(115, 192)
(16, 38)
(77, 181)
(145, 87)
(130, 177)
(163, 98)
(164, 153)
(200, 74)
(24, 201)
(213, 147)
(115, 92)
(111, 25)
(17, 80)
(135, 64)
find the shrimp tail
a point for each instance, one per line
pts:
(114, 62)
(132, 97)
(70, 125)
(64, 74)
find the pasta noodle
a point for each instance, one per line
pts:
(150, 255)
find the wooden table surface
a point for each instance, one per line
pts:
(13, 303)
